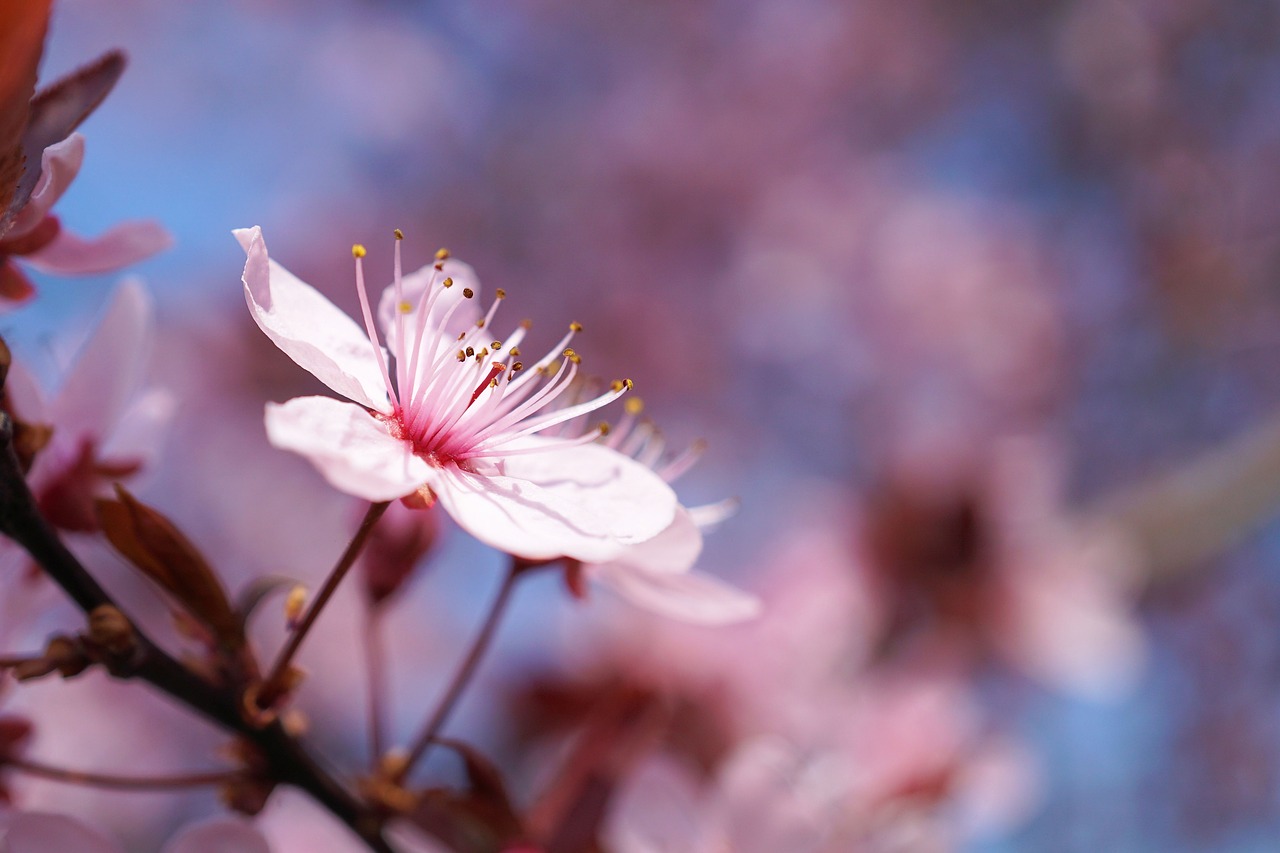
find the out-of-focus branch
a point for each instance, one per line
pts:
(289, 763)
(1185, 517)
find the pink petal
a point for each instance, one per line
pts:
(411, 289)
(59, 165)
(141, 432)
(309, 328)
(351, 448)
(673, 550)
(632, 502)
(39, 832)
(659, 808)
(587, 502)
(221, 835)
(120, 246)
(108, 368)
(690, 597)
(24, 395)
(1069, 622)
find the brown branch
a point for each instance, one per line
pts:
(288, 761)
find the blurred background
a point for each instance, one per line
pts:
(863, 247)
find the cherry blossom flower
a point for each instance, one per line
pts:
(440, 415)
(38, 238)
(102, 426)
(971, 550)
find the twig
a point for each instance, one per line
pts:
(427, 736)
(275, 682)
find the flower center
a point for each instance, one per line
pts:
(459, 395)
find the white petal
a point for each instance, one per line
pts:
(39, 832)
(119, 246)
(710, 516)
(518, 517)
(351, 448)
(690, 597)
(108, 369)
(309, 328)
(220, 835)
(59, 165)
(585, 502)
(632, 502)
(673, 550)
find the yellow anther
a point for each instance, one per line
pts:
(448, 281)
(468, 292)
(480, 323)
(496, 345)
(616, 385)
(629, 384)
(357, 251)
(483, 354)
(500, 293)
(493, 383)
(461, 335)
(442, 254)
(295, 602)
(462, 356)
(519, 365)
(399, 234)
(515, 351)
(405, 308)
(575, 327)
(573, 356)
(603, 427)
(633, 406)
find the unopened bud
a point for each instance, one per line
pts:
(110, 630)
(398, 544)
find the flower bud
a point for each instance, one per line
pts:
(396, 546)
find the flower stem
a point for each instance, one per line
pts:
(121, 783)
(465, 671)
(274, 684)
(375, 669)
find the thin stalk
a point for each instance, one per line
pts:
(121, 783)
(465, 671)
(375, 668)
(275, 681)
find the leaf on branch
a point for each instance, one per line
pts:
(22, 30)
(153, 544)
(59, 109)
(478, 819)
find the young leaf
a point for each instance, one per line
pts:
(153, 544)
(479, 819)
(22, 31)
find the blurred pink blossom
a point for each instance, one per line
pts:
(104, 425)
(38, 238)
